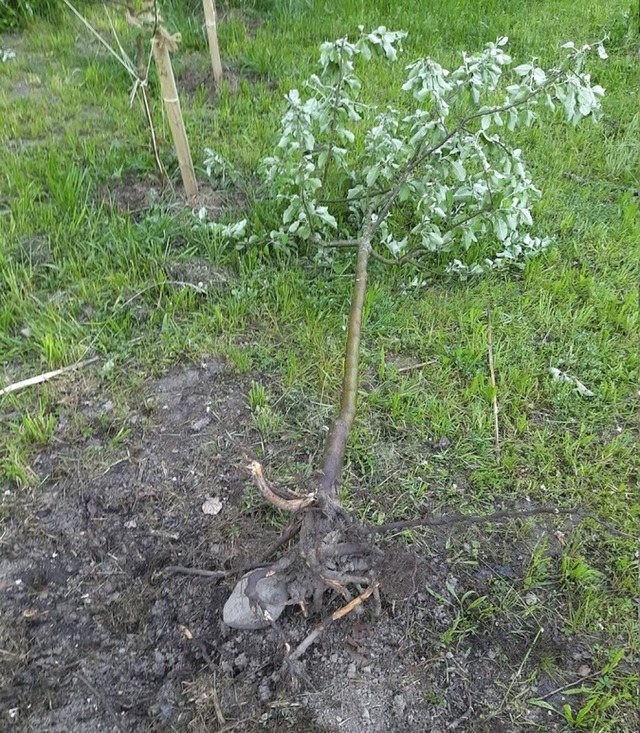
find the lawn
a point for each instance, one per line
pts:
(97, 261)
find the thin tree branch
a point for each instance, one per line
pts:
(495, 517)
(334, 119)
(419, 251)
(348, 200)
(105, 703)
(141, 83)
(337, 243)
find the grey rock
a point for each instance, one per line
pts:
(399, 703)
(241, 661)
(200, 424)
(237, 612)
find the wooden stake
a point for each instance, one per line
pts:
(163, 44)
(212, 34)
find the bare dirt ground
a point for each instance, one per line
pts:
(97, 636)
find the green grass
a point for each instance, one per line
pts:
(79, 278)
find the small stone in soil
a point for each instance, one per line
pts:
(200, 424)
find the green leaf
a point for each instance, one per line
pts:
(372, 175)
(523, 69)
(570, 103)
(577, 690)
(543, 704)
(404, 193)
(458, 170)
(501, 230)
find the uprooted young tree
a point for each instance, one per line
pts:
(431, 179)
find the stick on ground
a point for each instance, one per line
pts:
(308, 640)
(46, 376)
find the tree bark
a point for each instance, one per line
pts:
(333, 459)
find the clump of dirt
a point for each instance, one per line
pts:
(98, 636)
(135, 193)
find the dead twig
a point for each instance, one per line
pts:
(570, 684)
(216, 704)
(495, 517)
(596, 182)
(141, 83)
(355, 602)
(284, 537)
(47, 376)
(496, 424)
(182, 570)
(290, 531)
(416, 366)
(216, 700)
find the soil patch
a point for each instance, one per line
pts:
(195, 77)
(136, 193)
(97, 636)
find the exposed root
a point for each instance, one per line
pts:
(283, 499)
(334, 553)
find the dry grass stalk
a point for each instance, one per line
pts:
(163, 44)
(496, 424)
(138, 75)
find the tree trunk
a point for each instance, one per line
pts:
(333, 460)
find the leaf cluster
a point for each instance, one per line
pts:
(435, 173)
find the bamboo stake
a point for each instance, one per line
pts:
(163, 44)
(212, 34)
